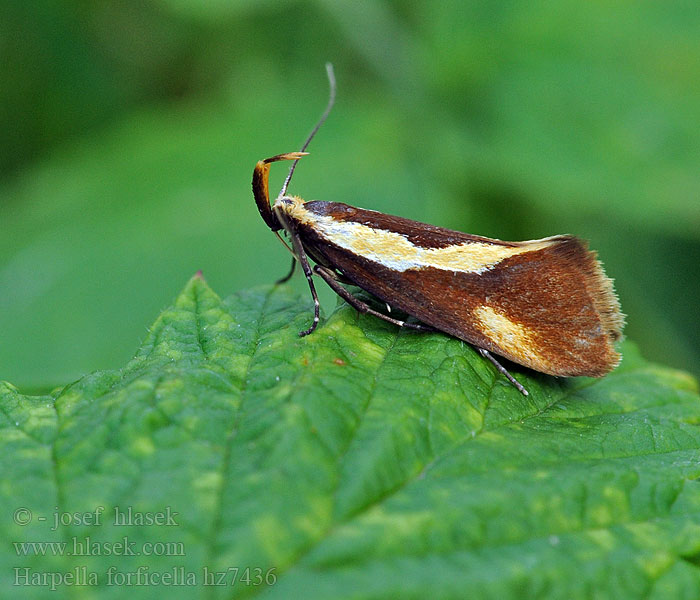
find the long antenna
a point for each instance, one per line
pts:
(324, 116)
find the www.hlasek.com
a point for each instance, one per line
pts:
(78, 546)
(144, 576)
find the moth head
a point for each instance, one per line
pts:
(284, 201)
(288, 207)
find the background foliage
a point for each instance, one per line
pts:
(129, 131)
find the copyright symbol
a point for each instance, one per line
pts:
(22, 516)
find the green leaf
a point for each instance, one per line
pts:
(360, 461)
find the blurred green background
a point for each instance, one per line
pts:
(129, 131)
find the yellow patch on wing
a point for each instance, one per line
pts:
(476, 257)
(515, 338)
(395, 251)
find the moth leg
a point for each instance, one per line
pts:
(503, 371)
(300, 255)
(360, 306)
(288, 276)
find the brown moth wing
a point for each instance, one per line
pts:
(550, 309)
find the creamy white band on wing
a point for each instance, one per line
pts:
(395, 251)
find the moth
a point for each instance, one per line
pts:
(545, 304)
